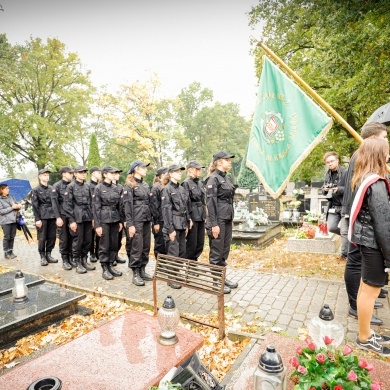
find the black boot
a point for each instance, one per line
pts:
(137, 280)
(50, 259)
(144, 275)
(114, 263)
(85, 264)
(11, 254)
(106, 273)
(72, 261)
(65, 263)
(43, 260)
(113, 271)
(92, 258)
(6, 254)
(80, 268)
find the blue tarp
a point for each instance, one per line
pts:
(18, 188)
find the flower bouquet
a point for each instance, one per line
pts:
(306, 231)
(328, 368)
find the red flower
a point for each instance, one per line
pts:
(320, 357)
(302, 370)
(352, 376)
(327, 340)
(338, 387)
(369, 367)
(294, 362)
(363, 363)
(310, 344)
(299, 351)
(347, 350)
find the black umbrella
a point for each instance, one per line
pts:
(21, 225)
(381, 115)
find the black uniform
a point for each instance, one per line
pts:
(57, 200)
(106, 206)
(43, 211)
(95, 238)
(137, 214)
(120, 234)
(195, 237)
(77, 206)
(220, 192)
(157, 218)
(176, 215)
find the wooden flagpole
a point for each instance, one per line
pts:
(312, 93)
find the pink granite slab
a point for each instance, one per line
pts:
(286, 347)
(121, 354)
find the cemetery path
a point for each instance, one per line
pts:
(283, 302)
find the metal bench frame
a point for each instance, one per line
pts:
(199, 276)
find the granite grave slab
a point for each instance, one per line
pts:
(47, 303)
(122, 354)
(7, 281)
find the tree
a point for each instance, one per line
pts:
(93, 155)
(208, 127)
(246, 177)
(44, 98)
(141, 123)
(341, 50)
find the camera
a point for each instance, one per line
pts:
(329, 194)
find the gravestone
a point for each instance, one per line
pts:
(253, 202)
(47, 303)
(7, 281)
(271, 207)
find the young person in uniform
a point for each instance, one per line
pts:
(62, 222)
(96, 177)
(155, 207)
(219, 221)
(176, 214)
(138, 218)
(77, 207)
(119, 188)
(45, 219)
(196, 192)
(106, 216)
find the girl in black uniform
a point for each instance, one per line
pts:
(196, 192)
(219, 221)
(155, 208)
(106, 217)
(176, 214)
(138, 217)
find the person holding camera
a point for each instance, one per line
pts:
(334, 191)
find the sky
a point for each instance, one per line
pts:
(122, 41)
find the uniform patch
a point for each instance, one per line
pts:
(125, 192)
(163, 198)
(210, 186)
(93, 195)
(65, 193)
(53, 190)
(151, 194)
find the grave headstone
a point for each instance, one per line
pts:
(271, 207)
(253, 202)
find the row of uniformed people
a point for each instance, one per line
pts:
(177, 213)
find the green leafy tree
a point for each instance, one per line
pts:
(44, 98)
(341, 50)
(246, 177)
(93, 155)
(141, 124)
(208, 127)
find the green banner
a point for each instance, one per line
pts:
(287, 125)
